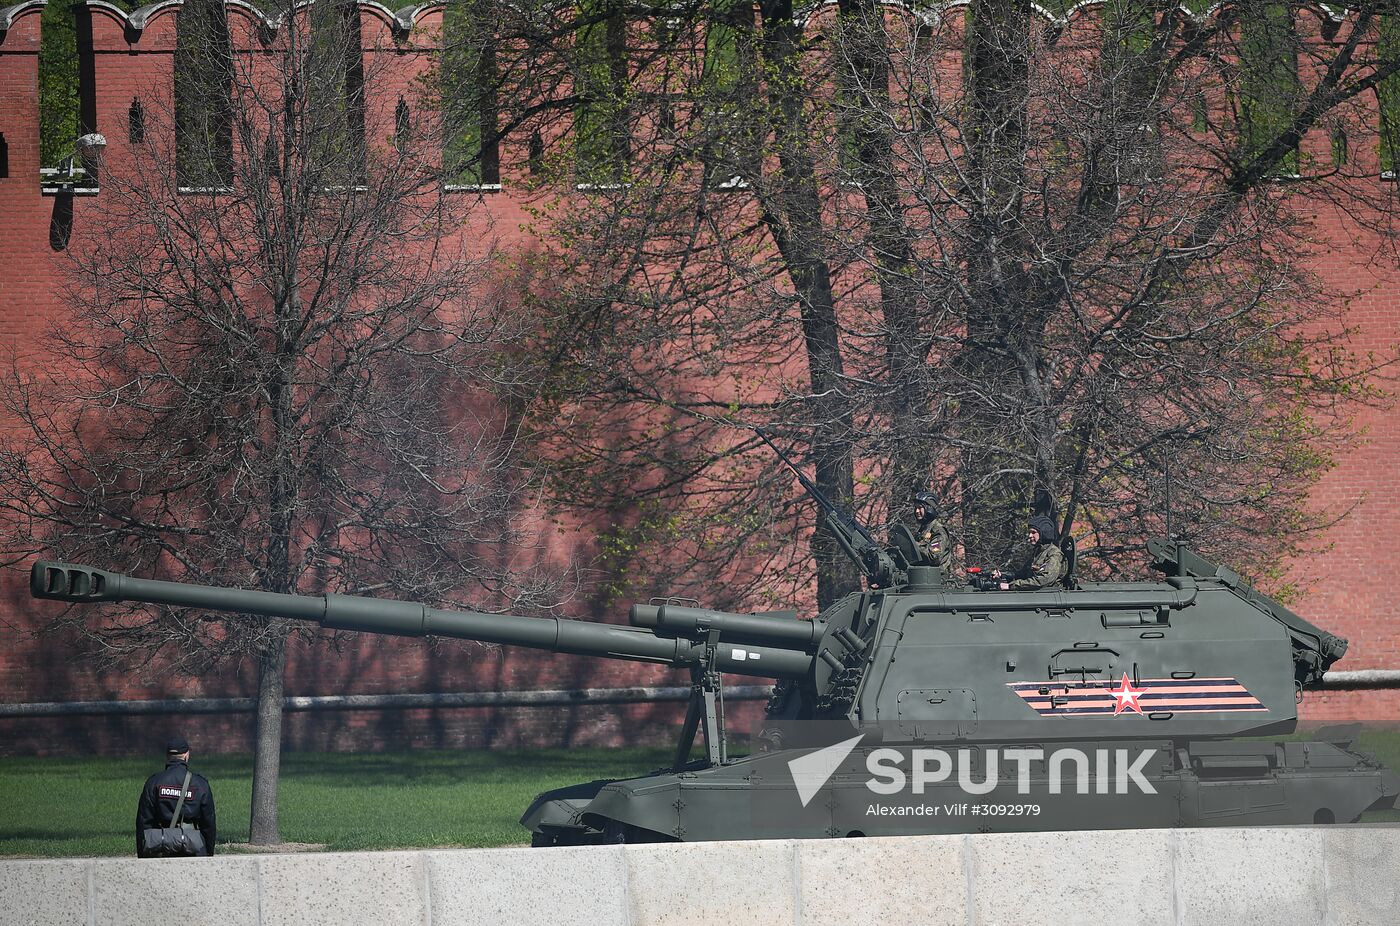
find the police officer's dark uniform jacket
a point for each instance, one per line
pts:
(162, 792)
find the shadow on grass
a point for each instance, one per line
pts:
(47, 836)
(340, 801)
(450, 768)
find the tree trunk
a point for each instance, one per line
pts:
(865, 69)
(996, 469)
(267, 743)
(794, 220)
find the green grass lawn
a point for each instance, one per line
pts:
(86, 807)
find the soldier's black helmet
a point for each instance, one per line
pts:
(929, 501)
(1046, 527)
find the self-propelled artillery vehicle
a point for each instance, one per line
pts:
(920, 705)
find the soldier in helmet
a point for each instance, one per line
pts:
(1047, 564)
(932, 533)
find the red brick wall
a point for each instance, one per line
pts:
(1347, 588)
(127, 65)
(1350, 588)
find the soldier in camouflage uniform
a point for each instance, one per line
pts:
(932, 533)
(1047, 565)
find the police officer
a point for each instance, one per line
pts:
(932, 533)
(162, 792)
(1047, 565)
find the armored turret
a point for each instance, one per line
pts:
(1173, 668)
(1143, 687)
(1210, 656)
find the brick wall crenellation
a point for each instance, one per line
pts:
(1345, 588)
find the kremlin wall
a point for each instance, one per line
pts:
(1349, 587)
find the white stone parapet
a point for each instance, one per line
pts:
(1314, 875)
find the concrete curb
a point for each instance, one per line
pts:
(1321, 875)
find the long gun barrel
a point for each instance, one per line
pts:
(756, 645)
(752, 628)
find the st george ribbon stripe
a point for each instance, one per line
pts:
(1155, 702)
(1148, 695)
(1151, 709)
(1153, 695)
(1211, 683)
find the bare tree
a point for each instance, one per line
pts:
(987, 251)
(645, 112)
(1114, 250)
(277, 369)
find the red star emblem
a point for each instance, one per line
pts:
(1125, 697)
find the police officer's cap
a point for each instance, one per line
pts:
(176, 745)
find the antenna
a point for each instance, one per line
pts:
(1167, 466)
(853, 539)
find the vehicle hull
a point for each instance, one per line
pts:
(1192, 784)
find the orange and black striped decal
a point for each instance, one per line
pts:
(1149, 695)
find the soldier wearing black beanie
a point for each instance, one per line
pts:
(1047, 565)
